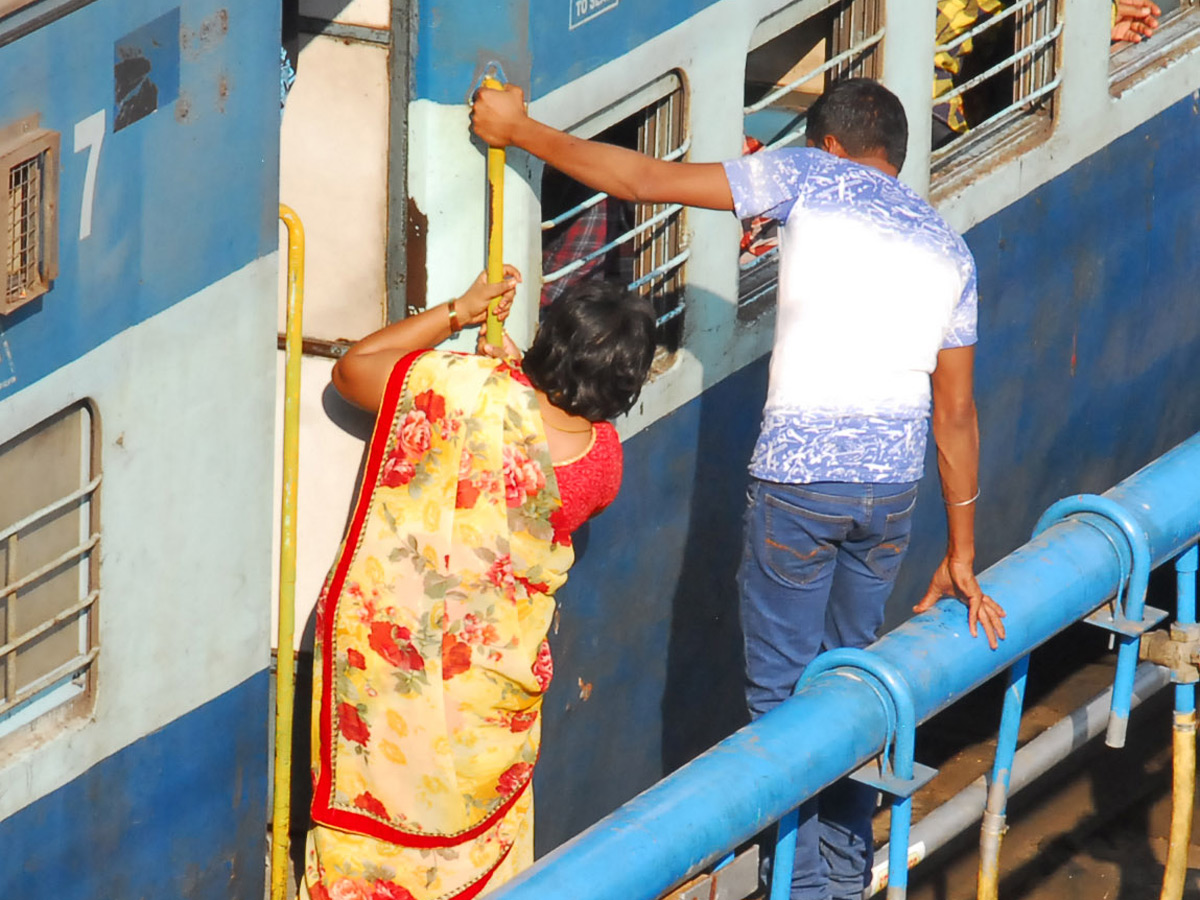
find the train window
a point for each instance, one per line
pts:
(29, 156)
(587, 235)
(995, 75)
(1138, 50)
(788, 66)
(48, 568)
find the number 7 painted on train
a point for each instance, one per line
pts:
(89, 135)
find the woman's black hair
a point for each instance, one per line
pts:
(593, 350)
(862, 114)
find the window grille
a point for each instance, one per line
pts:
(48, 575)
(642, 244)
(1178, 30)
(30, 158)
(1007, 73)
(789, 65)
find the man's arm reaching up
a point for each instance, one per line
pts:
(956, 432)
(499, 118)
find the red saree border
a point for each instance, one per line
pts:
(322, 811)
(481, 884)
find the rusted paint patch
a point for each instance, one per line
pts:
(222, 91)
(195, 42)
(585, 690)
(415, 252)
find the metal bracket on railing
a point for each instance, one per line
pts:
(901, 776)
(1129, 620)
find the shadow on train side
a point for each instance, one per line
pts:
(1088, 336)
(647, 642)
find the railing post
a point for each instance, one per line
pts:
(285, 670)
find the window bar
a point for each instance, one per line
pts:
(1049, 60)
(616, 242)
(1002, 65)
(870, 24)
(10, 574)
(678, 127)
(794, 134)
(820, 70)
(760, 260)
(71, 667)
(670, 314)
(839, 36)
(596, 198)
(1024, 101)
(49, 508)
(670, 265)
(664, 117)
(14, 644)
(643, 243)
(1023, 72)
(32, 577)
(990, 22)
(642, 212)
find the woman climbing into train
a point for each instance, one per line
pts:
(431, 656)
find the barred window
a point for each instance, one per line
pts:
(48, 572)
(588, 235)
(1129, 60)
(790, 63)
(995, 77)
(29, 156)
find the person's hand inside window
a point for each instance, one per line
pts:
(1134, 20)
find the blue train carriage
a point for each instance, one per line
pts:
(139, 140)
(1073, 186)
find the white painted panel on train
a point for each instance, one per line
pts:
(333, 172)
(333, 438)
(186, 451)
(374, 13)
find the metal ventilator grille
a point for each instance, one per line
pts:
(25, 245)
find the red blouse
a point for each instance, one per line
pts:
(590, 481)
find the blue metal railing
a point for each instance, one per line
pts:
(754, 777)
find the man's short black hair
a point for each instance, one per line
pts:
(593, 350)
(863, 115)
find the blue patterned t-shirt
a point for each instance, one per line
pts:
(872, 284)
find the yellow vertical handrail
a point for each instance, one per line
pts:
(495, 224)
(285, 670)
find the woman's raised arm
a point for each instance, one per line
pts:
(361, 375)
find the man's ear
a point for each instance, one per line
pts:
(831, 144)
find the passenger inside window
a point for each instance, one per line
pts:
(577, 237)
(578, 226)
(1134, 21)
(963, 60)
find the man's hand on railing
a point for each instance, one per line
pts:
(956, 578)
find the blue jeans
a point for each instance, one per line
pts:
(819, 563)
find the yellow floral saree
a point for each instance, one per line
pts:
(431, 656)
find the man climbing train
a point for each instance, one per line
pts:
(876, 317)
